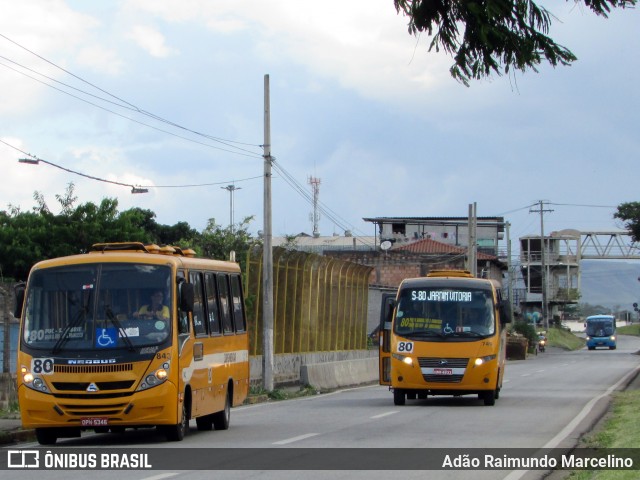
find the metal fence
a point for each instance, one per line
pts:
(320, 303)
(8, 329)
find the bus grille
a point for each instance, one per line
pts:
(120, 367)
(438, 362)
(94, 410)
(102, 386)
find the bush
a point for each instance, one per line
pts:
(527, 330)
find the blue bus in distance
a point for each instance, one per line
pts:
(601, 331)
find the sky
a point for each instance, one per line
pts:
(166, 95)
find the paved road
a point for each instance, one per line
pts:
(546, 401)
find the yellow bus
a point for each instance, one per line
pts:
(444, 334)
(131, 336)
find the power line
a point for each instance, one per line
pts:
(121, 102)
(113, 182)
(578, 205)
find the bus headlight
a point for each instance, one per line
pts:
(155, 378)
(612, 338)
(33, 382)
(402, 358)
(481, 360)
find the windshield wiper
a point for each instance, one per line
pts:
(471, 333)
(118, 326)
(80, 316)
(423, 333)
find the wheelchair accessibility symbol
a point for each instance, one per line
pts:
(106, 337)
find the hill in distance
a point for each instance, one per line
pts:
(610, 283)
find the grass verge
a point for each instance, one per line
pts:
(629, 330)
(620, 430)
(559, 337)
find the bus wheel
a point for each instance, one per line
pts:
(489, 397)
(612, 348)
(221, 419)
(46, 436)
(399, 397)
(175, 433)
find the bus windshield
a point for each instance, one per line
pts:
(445, 313)
(601, 327)
(97, 306)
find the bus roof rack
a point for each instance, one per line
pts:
(105, 247)
(450, 273)
(140, 247)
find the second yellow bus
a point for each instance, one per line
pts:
(444, 334)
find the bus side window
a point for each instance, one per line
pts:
(213, 311)
(223, 292)
(199, 324)
(237, 304)
(183, 317)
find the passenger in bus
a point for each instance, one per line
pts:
(155, 309)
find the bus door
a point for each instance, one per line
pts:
(384, 330)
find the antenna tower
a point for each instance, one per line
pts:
(315, 216)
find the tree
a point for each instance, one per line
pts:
(217, 242)
(630, 213)
(498, 34)
(28, 237)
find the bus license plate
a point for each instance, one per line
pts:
(94, 421)
(443, 371)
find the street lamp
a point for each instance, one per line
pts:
(135, 190)
(30, 161)
(231, 189)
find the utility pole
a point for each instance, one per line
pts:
(267, 253)
(472, 260)
(509, 269)
(231, 189)
(543, 267)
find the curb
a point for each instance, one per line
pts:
(9, 437)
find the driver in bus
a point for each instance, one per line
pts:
(155, 309)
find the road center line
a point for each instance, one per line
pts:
(160, 476)
(295, 439)
(384, 414)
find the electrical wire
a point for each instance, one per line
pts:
(113, 182)
(120, 102)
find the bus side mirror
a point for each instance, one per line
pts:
(187, 295)
(388, 304)
(19, 294)
(505, 311)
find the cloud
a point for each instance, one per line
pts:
(32, 31)
(101, 59)
(152, 41)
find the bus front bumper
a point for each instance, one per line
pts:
(154, 406)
